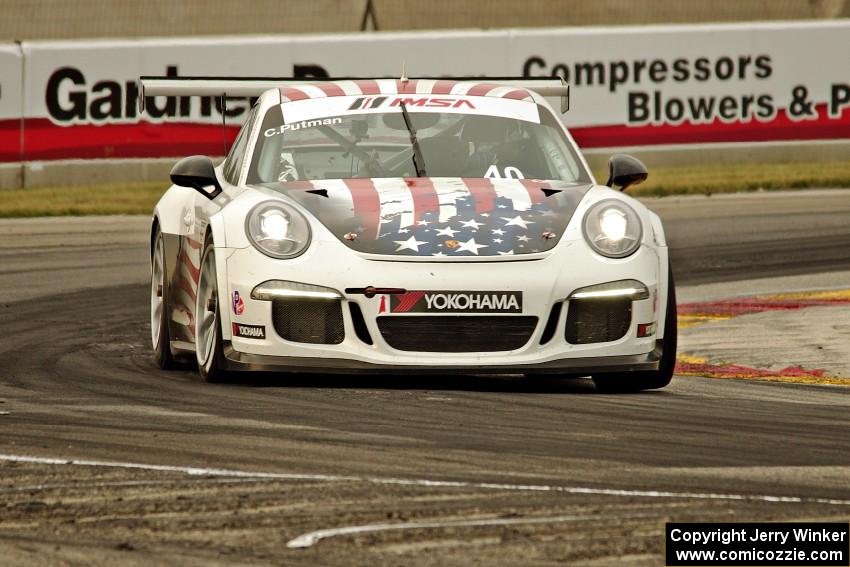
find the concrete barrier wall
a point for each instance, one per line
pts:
(11, 104)
(683, 91)
(85, 19)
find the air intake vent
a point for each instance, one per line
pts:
(598, 320)
(551, 324)
(485, 333)
(308, 321)
(360, 328)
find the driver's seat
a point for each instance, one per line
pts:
(443, 155)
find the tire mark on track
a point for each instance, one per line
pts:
(425, 482)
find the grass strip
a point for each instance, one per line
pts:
(108, 199)
(140, 197)
(734, 178)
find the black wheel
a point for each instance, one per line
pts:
(208, 347)
(160, 337)
(653, 379)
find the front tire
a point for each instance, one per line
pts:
(160, 335)
(208, 345)
(652, 379)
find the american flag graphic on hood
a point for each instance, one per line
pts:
(440, 217)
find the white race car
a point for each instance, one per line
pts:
(409, 225)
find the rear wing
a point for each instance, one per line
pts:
(255, 86)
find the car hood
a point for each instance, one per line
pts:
(440, 217)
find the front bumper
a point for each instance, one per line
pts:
(543, 283)
(244, 362)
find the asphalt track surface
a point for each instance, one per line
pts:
(465, 470)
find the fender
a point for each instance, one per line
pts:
(663, 269)
(167, 216)
(176, 206)
(219, 235)
(657, 229)
(171, 208)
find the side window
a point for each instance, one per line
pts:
(233, 162)
(558, 152)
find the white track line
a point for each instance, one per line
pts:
(200, 471)
(121, 484)
(312, 538)
(192, 471)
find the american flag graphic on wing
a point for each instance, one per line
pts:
(441, 217)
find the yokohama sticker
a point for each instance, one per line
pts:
(249, 331)
(457, 302)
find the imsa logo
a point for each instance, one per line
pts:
(457, 302)
(249, 331)
(364, 103)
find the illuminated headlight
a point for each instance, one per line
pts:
(277, 230)
(613, 229)
(280, 289)
(631, 289)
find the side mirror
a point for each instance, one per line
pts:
(198, 173)
(625, 170)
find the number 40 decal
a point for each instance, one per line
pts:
(509, 172)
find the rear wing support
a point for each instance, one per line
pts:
(255, 86)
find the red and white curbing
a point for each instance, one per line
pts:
(790, 337)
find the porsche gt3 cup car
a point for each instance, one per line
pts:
(407, 225)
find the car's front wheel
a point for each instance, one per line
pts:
(208, 345)
(653, 379)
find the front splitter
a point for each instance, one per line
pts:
(240, 361)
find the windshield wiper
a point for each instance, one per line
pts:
(418, 160)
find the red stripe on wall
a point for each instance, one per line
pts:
(10, 140)
(482, 192)
(367, 205)
(424, 195)
(45, 140)
(781, 128)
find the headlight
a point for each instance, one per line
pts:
(277, 230)
(631, 289)
(612, 228)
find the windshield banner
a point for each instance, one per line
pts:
(304, 111)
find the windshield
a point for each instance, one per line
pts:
(378, 143)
